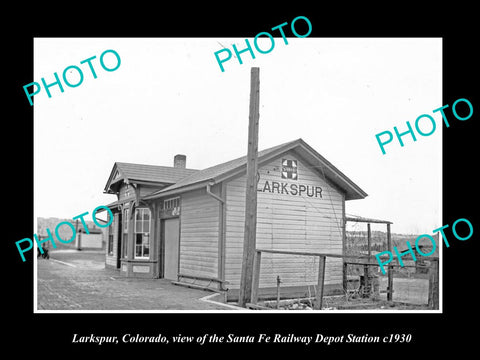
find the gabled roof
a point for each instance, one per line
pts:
(146, 174)
(218, 173)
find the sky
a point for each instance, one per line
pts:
(169, 96)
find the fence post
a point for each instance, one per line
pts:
(433, 296)
(390, 283)
(390, 268)
(321, 280)
(256, 276)
(345, 278)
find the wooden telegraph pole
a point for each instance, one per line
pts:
(249, 240)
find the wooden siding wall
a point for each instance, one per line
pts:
(286, 222)
(144, 190)
(199, 234)
(123, 190)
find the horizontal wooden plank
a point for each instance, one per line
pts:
(309, 254)
(192, 253)
(269, 278)
(199, 216)
(198, 245)
(206, 229)
(286, 200)
(279, 241)
(195, 255)
(209, 236)
(289, 245)
(198, 250)
(310, 214)
(204, 201)
(292, 244)
(262, 224)
(267, 196)
(286, 222)
(199, 262)
(313, 205)
(195, 207)
(321, 221)
(207, 223)
(210, 265)
(235, 259)
(198, 271)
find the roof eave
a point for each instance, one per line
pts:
(355, 196)
(176, 191)
(151, 182)
(352, 190)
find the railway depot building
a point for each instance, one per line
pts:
(187, 225)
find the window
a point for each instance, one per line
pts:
(125, 233)
(171, 203)
(111, 229)
(142, 233)
(171, 207)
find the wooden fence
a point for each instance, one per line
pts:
(433, 295)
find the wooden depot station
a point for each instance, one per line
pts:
(187, 225)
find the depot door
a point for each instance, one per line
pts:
(172, 242)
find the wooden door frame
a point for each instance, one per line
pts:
(161, 255)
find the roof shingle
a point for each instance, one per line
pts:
(153, 173)
(220, 169)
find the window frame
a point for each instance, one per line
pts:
(170, 201)
(142, 233)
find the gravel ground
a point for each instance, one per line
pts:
(78, 280)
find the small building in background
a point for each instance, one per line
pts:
(91, 241)
(95, 240)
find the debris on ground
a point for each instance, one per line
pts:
(339, 302)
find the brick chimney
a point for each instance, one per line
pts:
(180, 161)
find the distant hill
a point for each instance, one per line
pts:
(64, 231)
(357, 241)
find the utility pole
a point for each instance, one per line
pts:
(249, 240)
